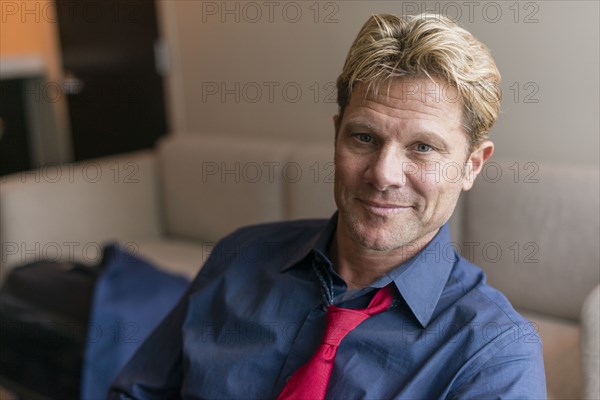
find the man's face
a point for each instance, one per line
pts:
(401, 161)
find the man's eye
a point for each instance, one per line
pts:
(423, 148)
(363, 137)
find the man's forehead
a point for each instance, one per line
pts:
(429, 92)
(416, 104)
(418, 99)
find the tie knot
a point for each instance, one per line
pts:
(340, 321)
(310, 381)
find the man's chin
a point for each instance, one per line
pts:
(380, 240)
(379, 246)
(380, 233)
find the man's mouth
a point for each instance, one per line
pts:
(383, 209)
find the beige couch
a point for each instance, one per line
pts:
(533, 227)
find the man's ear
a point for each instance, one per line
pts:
(475, 163)
(336, 125)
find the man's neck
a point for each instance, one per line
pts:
(360, 266)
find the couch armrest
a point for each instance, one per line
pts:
(590, 344)
(67, 212)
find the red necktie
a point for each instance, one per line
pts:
(310, 381)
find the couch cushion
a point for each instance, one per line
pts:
(535, 229)
(68, 212)
(590, 344)
(178, 257)
(560, 339)
(211, 185)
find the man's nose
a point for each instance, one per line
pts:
(388, 169)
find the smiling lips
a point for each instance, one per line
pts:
(383, 209)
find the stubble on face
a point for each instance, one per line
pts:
(360, 226)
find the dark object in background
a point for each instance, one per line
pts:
(112, 62)
(14, 132)
(44, 314)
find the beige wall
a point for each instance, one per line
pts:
(236, 72)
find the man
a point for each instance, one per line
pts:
(417, 97)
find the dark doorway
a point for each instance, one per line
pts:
(115, 94)
(14, 133)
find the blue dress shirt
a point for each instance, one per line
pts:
(256, 313)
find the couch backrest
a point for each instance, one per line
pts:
(68, 212)
(534, 228)
(211, 185)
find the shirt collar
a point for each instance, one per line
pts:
(317, 244)
(420, 280)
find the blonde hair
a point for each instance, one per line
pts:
(430, 46)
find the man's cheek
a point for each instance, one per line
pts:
(410, 169)
(452, 173)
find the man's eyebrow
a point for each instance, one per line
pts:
(368, 127)
(432, 136)
(360, 125)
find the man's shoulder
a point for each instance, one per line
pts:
(258, 251)
(281, 230)
(283, 234)
(498, 339)
(267, 244)
(494, 332)
(491, 310)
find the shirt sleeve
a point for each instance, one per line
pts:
(514, 372)
(155, 370)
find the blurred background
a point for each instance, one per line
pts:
(239, 87)
(83, 79)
